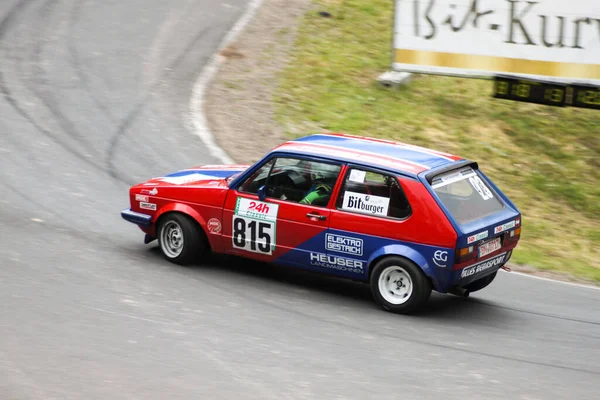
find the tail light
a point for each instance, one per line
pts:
(514, 235)
(465, 254)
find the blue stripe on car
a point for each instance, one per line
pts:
(427, 159)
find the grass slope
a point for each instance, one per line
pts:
(546, 159)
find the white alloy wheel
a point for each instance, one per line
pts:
(171, 239)
(395, 285)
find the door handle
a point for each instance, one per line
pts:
(317, 216)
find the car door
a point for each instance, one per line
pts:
(275, 216)
(370, 209)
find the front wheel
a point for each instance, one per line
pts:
(399, 286)
(180, 238)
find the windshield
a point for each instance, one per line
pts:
(466, 195)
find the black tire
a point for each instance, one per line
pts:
(399, 268)
(193, 243)
(480, 283)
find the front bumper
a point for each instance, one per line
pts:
(142, 220)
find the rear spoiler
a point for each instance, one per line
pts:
(450, 167)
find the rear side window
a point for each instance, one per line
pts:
(373, 193)
(466, 195)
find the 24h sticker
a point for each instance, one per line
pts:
(254, 226)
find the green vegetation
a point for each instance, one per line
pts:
(546, 159)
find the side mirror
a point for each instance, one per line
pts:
(262, 193)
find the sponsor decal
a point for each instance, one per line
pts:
(365, 203)
(476, 237)
(483, 191)
(214, 226)
(518, 221)
(440, 258)
(483, 266)
(501, 228)
(141, 197)
(256, 209)
(358, 176)
(445, 180)
(254, 226)
(336, 262)
(344, 244)
(148, 206)
(152, 192)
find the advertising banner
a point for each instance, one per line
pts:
(553, 40)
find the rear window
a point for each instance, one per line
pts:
(466, 195)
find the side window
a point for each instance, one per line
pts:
(297, 180)
(257, 179)
(302, 181)
(373, 193)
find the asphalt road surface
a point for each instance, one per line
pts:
(94, 96)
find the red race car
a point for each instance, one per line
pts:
(405, 219)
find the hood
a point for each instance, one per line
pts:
(203, 175)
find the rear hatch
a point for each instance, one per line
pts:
(487, 222)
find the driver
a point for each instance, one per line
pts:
(320, 190)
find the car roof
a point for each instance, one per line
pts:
(391, 155)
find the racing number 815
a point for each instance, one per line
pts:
(254, 228)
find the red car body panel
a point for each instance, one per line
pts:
(309, 236)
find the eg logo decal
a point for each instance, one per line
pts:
(440, 258)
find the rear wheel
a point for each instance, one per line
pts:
(180, 239)
(480, 283)
(399, 286)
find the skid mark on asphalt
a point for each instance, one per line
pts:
(40, 78)
(131, 117)
(76, 62)
(78, 67)
(37, 204)
(5, 24)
